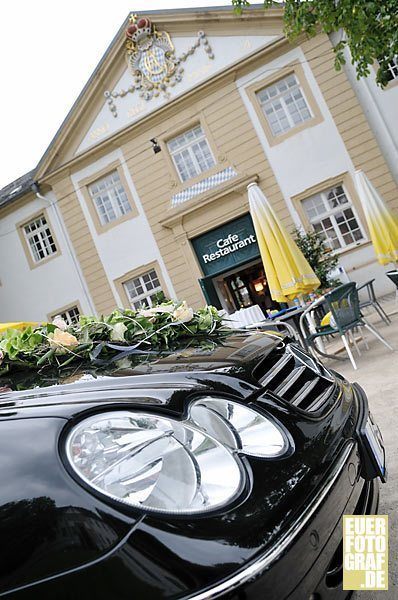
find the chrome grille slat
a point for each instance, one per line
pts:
(290, 381)
(319, 401)
(299, 383)
(305, 390)
(276, 369)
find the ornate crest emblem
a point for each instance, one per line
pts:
(150, 54)
(152, 61)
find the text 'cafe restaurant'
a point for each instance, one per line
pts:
(234, 275)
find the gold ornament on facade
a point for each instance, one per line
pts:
(151, 59)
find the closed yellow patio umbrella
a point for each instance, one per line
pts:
(382, 223)
(288, 273)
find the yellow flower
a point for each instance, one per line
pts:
(62, 341)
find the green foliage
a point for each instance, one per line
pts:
(15, 342)
(159, 298)
(370, 27)
(320, 259)
(100, 339)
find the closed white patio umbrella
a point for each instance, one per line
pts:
(382, 222)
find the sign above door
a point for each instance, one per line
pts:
(227, 246)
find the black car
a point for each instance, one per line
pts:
(206, 472)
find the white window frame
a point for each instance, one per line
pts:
(67, 315)
(147, 292)
(330, 213)
(45, 238)
(393, 68)
(280, 96)
(187, 146)
(112, 200)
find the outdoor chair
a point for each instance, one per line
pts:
(372, 301)
(343, 305)
(393, 275)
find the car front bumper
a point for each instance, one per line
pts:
(307, 561)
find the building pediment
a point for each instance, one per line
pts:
(199, 58)
(152, 61)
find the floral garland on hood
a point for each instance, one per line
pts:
(101, 339)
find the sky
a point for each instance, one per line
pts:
(46, 57)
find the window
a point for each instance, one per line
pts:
(110, 198)
(393, 69)
(331, 214)
(191, 153)
(69, 315)
(284, 104)
(39, 238)
(141, 290)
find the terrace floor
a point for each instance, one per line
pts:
(378, 374)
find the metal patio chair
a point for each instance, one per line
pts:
(372, 301)
(393, 275)
(343, 304)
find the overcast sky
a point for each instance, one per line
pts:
(48, 50)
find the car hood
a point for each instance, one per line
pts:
(185, 367)
(52, 525)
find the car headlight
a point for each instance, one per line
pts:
(164, 465)
(153, 462)
(239, 427)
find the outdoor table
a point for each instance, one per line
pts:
(272, 324)
(372, 300)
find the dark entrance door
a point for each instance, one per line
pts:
(248, 287)
(230, 260)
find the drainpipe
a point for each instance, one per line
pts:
(36, 189)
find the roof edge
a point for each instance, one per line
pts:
(217, 12)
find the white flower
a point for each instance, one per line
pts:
(183, 313)
(59, 322)
(160, 308)
(163, 308)
(146, 312)
(117, 333)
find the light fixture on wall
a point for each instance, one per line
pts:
(260, 285)
(155, 146)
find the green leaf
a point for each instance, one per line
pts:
(370, 29)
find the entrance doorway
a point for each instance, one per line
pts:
(243, 287)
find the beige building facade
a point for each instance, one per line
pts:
(144, 188)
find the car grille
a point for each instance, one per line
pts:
(297, 378)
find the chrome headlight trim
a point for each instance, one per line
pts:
(154, 463)
(165, 465)
(240, 427)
